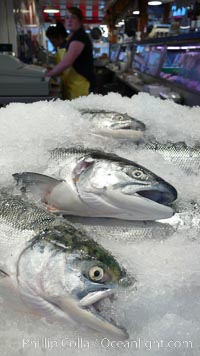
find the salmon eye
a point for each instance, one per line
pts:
(139, 174)
(120, 117)
(96, 273)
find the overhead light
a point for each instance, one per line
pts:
(24, 11)
(190, 47)
(174, 47)
(50, 10)
(31, 25)
(136, 12)
(184, 27)
(154, 3)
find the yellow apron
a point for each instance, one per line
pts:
(73, 83)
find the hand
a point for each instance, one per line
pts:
(47, 74)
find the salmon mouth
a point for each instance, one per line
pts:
(157, 196)
(89, 312)
(98, 303)
(163, 193)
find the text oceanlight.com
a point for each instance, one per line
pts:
(105, 343)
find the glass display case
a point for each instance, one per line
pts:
(140, 57)
(155, 60)
(125, 56)
(125, 53)
(173, 62)
(114, 52)
(148, 58)
(182, 66)
(169, 64)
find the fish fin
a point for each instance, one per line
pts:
(39, 185)
(3, 274)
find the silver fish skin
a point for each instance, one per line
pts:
(185, 157)
(93, 183)
(115, 124)
(57, 270)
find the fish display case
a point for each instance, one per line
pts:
(145, 65)
(140, 57)
(155, 59)
(120, 56)
(114, 52)
(182, 66)
(124, 58)
(120, 61)
(165, 66)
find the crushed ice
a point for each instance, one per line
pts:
(162, 312)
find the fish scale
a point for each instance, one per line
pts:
(110, 229)
(22, 214)
(60, 153)
(185, 157)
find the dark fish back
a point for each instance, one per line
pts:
(61, 153)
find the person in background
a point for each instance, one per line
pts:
(76, 64)
(58, 36)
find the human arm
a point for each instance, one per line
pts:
(74, 50)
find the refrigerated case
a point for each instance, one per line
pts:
(140, 57)
(114, 52)
(182, 66)
(125, 56)
(120, 56)
(155, 60)
(169, 65)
